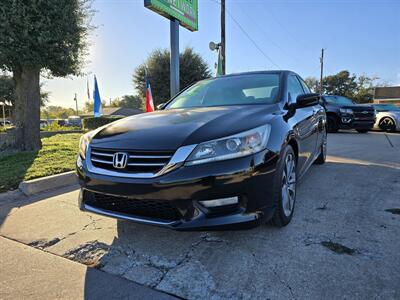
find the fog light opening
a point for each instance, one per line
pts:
(220, 202)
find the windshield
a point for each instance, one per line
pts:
(386, 107)
(235, 90)
(338, 100)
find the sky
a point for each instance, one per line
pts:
(361, 36)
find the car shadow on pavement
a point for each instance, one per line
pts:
(337, 209)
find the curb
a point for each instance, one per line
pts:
(35, 186)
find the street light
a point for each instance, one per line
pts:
(217, 47)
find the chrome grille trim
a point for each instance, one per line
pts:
(175, 161)
(102, 154)
(146, 164)
(102, 161)
(150, 156)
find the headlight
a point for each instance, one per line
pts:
(346, 111)
(84, 143)
(234, 146)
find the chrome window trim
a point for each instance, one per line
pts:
(175, 162)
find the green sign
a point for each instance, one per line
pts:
(185, 11)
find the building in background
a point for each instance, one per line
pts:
(387, 95)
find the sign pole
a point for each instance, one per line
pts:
(174, 62)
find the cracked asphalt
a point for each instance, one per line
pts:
(343, 241)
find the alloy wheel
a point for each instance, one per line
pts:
(289, 185)
(387, 124)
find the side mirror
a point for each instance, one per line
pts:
(305, 100)
(161, 106)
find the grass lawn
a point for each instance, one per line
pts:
(58, 154)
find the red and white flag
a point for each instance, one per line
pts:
(149, 96)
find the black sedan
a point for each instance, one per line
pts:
(225, 153)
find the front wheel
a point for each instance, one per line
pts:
(285, 188)
(333, 125)
(387, 124)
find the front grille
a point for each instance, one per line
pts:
(138, 161)
(154, 209)
(363, 113)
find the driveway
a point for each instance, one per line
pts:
(343, 241)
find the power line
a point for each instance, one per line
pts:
(249, 37)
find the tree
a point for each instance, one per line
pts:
(313, 83)
(56, 112)
(192, 68)
(40, 36)
(128, 101)
(7, 93)
(365, 89)
(342, 84)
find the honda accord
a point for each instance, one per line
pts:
(226, 152)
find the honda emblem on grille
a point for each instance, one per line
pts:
(364, 112)
(120, 160)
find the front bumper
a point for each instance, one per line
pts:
(249, 178)
(350, 122)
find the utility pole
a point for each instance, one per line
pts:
(223, 42)
(174, 64)
(321, 59)
(76, 103)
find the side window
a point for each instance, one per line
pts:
(304, 85)
(294, 88)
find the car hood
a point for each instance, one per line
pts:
(171, 129)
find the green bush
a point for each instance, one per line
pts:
(93, 123)
(57, 127)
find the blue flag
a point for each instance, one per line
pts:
(97, 100)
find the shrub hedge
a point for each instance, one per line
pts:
(93, 123)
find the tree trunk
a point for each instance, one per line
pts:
(27, 109)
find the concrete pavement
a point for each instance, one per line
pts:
(28, 273)
(342, 242)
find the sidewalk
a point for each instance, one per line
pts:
(26, 272)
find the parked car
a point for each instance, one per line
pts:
(43, 123)
(226, 152)
(74, 121)
(387, 117)
(6, 123)
(343, 113)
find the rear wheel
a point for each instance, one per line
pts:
(333, 125)
(285, 188)
(362, 130)
(387, 124)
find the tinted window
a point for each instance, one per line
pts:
(338, 100)
(304, 85)
(294, 88)
(235, 90)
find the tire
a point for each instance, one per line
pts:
(387, 124)
(362, 130)
(322, 154)
(333, 125)
(285, 188)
